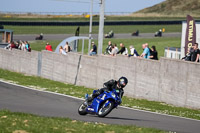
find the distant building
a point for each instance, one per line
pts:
(172, 52)
(6, 36)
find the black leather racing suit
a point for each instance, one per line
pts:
(109, 86)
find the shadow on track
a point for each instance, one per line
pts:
(127, 119)
(120, 118)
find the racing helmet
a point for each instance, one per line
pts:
(122, 82)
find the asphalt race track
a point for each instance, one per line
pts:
(20, 99)
(95, 36)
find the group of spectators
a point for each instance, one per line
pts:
(20, 45)
(193, 54)
(65, 50)
(25, 46)
(112, 50)
(149, 53)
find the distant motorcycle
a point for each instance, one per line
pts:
(40, 37)
(101, 105)
(158, 33)
(135, 33)
(109, 35)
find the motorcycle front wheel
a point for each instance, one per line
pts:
(82, 110)
(105, 110)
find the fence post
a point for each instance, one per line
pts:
(39, 64)
(78, 68)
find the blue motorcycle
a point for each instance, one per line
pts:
(101, 105)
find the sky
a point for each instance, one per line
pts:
(74, 5)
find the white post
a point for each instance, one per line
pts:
(101, 27)
(90, 30)
(83, 47)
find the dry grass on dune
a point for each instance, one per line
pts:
(176, 8)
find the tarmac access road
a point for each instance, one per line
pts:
(31, 37)
(22, 99)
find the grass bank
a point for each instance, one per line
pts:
(26, 123)
(40, 45)
(85, 29)
(80, 91)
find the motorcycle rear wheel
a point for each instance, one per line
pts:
(103, 111)
(82, 110)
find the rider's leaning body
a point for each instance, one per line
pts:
(110, 85)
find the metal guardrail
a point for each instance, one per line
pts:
(63, 13)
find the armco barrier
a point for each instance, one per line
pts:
(22, 23)
(172, 81)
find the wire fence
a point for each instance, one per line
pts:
(62, 13)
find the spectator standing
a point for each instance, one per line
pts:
(147, 45)
(8, 46)
(12, 45)
(93, 51)
(154, 53)
(62, 51)
(16, 44)
(67, 48)
(109, 48)
(26, 45)
(115, 45)
(146, 52)
(188, 55)
(48, 47)
(133, 52)
(195, 53)
(114, 51)
(28, 48)
(123, 50)
(23, 46)
(20, 45)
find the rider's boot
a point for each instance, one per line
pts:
(88, 101)
(90, 98)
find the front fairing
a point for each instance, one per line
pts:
(112, 95)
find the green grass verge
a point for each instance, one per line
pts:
(40, 45)
(80, 91)
(85, 29)
(26, 123)
(160, 44)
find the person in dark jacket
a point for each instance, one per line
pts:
(109, 86)
(109, 48)
(122, 50)
(93, 51)
(153, 53)
(195, 53)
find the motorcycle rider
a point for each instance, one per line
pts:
(109, 86)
